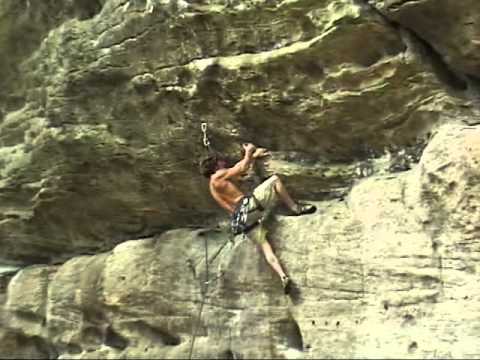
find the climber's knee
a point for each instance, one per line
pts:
(275, 178)
(275, 181)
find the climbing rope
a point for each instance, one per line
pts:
(203, 291)
(229, 240)
(204, 288)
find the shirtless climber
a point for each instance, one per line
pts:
(229, 196)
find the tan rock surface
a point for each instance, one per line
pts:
(374, 277)
(103, 143)
(449, 26)
(369, 111)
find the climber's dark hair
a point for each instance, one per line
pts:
(208, 165)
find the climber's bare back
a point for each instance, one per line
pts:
(224, 191)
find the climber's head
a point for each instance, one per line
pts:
(211, 164)
(221, 163)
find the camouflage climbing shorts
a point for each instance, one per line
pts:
(267, 197)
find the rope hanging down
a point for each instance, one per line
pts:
(204, 289)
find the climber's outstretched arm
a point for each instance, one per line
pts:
(242, 166)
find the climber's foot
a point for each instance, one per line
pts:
(287, 285)
(303, 209)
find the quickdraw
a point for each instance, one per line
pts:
(206, 142)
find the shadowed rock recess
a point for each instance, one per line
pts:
(370, 109)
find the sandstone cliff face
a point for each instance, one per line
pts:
(370, 109)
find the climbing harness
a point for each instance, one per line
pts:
(246, 217)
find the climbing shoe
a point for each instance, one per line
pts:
(302, 209)
(287, 285)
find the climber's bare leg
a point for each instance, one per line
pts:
(272, 259)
